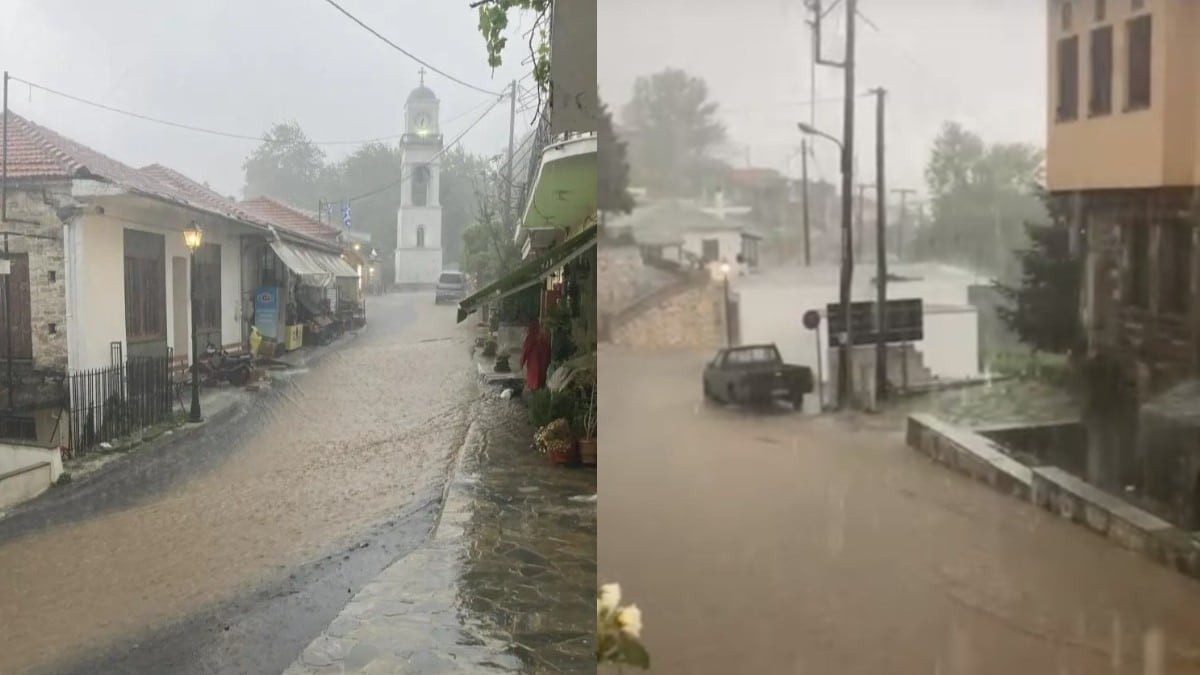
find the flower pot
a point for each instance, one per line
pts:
(587, 451)
(563, 454)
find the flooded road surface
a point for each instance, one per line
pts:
(785, 543)
(328, 477)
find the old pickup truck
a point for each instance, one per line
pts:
(755, 375)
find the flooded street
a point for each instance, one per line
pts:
(791, 543)
(243, 541)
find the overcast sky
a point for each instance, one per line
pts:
(241, 65)
(981, 62)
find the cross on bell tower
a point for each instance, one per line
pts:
(421, 72)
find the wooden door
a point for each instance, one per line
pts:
(19, 312)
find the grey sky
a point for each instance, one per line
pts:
(241, 65)
(981, 62)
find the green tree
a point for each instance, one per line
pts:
(673, 129)
(493, 21)
(458, 178)
(612, 180)
(488, 248)
(286, 166)
(1043, 308)
(980, 198)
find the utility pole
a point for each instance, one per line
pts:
(900, 227)
(881, 383)
(860, 225)
(509, 216)
(804, 200)
(847, 64)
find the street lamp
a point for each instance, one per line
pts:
(847, 272)
(192, 238)
(725, 269)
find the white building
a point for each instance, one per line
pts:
(419, 218)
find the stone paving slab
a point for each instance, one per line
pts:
(505, 584)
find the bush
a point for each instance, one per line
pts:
(546, 406)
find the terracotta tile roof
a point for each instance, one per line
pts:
(37, 152)
(288, 217)
(199, 194)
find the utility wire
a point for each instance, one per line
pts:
(444, 150)
(213, 132)
(409, 54)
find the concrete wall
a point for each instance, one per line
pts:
(98, 295)
(689, 319)
(14, 456)
(24, 484)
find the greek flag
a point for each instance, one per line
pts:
(346, 214)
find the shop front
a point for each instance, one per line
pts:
(297, 297)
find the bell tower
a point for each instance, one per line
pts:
(419, 218)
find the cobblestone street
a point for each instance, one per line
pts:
(506, 583)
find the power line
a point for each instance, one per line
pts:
(409, 54)
(404, 176)
(213, 132)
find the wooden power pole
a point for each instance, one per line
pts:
(900, 226)
(881, 270)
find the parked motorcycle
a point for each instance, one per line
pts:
(218, 364)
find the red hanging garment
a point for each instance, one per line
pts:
(535, 356)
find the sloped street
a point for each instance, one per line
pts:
(230, 550)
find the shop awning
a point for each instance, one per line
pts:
(530, 272)
(315, 268)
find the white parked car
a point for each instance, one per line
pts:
(451, 287)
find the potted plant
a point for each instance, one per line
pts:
(556, 442)
(587, 440)
(618, 631)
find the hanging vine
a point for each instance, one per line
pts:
(493, 20)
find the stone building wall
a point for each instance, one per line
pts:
(47, 269)
(689, 319)
(35, 211)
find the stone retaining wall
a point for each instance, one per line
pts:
(969, 453)
(1057, 491)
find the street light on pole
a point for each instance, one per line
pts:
(843, 365)
(192, 238)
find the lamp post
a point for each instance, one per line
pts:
(725, 269)
(192, 237)
(843, 376)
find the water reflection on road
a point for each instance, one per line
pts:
(789, 543)
(329, 452)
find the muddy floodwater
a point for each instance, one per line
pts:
(790, 543)
(364, 435)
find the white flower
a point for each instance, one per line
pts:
(610, 597)
(630, 621)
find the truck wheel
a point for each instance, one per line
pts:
(708, 395)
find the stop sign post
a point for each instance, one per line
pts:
(812, 321)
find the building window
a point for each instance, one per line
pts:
(1068, 78)
(1176, 247)
(420, 236)
(710, 250)
(208, 289)
(1100, 101)
(1065, 16)
(145, 299)
(420, 186)
(1101, 9)
(1139, 265)
(1140, 37)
